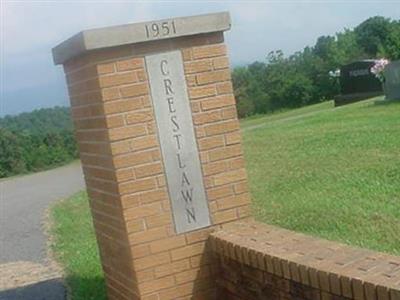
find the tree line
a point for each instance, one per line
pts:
(36, 140)
(303, 78)
(44, 138)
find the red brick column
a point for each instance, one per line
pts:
(142, 255)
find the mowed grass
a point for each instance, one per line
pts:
(333, 173)
(257, 120)
(330, 172)
(75, 247)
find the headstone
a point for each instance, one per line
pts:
(160, 145)
(357, 82)
(392, 80)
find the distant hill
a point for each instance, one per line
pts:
(39, 121)
(36, 141)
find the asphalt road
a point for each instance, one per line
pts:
(23, 202)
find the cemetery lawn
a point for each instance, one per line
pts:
(329, 172)
(332, 173)
(74, 245)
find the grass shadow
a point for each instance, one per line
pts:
(82, 288)
(384, 102)
(86, 288)
(52, 289)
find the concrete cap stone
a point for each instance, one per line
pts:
(100, 38)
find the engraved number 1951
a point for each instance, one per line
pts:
(160, 29)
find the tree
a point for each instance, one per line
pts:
(372, 34)
(241, 80)
(11, 160)
(325, 48)
(36, 140)
(391, 47)
(348, 49)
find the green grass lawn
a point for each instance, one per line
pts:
(333, 173)
(330, 172)
(286, 114)
(75, 247)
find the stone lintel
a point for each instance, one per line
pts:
(99, 38)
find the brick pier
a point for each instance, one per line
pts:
(172, 218)
(143, 257)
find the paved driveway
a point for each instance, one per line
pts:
(23, 201)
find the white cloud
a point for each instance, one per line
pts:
(36, 25)
(32, 29)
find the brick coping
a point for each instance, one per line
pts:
(326, 265)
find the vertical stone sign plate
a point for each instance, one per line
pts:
(177, 139)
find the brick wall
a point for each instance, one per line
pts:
(258, 261)
(142, 256)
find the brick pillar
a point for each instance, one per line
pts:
(152, 241)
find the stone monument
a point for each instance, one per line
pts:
(357, 82)
(392, 80)
(160, 145)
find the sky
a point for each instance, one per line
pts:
(30, 29)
